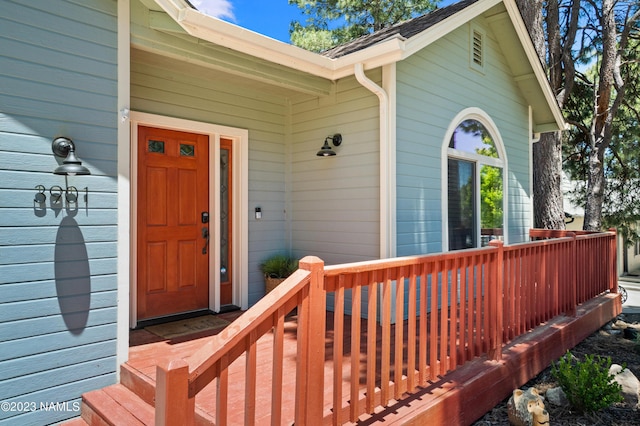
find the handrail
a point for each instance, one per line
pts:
(178, 381)
(233, 335)
(410, 321)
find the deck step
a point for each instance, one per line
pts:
(131, 402)
(116, 405)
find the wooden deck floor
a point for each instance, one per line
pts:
(456, 399)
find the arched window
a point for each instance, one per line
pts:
(475, 186)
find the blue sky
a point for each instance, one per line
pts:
(267, 17)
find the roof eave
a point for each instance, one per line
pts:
(389, 51)
(240, 39)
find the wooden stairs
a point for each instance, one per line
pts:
(129, 402)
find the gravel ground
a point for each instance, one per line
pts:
(605, 342)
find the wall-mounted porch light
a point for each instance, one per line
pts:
(71, 166)
(326, 150)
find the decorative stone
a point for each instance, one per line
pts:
(629, 383)
(526, 408)
(557, 397)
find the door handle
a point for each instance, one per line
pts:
(205, 235)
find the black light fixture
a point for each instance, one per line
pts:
(71, 166)
(326, 150)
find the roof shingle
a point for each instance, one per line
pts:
(406, 29)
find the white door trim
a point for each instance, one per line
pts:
(240, 197)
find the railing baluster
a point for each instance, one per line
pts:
(338, 348)
(462, 331)
(453, 315)
(433, 322)
(356, 309)
(471, 306)
(385, 356)
(411, 329)
(424, 338)
(222, 392)
(512, 282)
(277, 370)
(518, 281)
(250, 379)
(398, 359)
(444, 303)
(496, 286)
(479, 302)
(372, 328)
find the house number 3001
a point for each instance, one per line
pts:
(56, 192)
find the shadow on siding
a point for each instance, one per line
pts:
(72, 274)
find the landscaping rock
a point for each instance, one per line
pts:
(557, 397)
(606, 343)
(629, 383)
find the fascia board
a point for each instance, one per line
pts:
(252, 43)
(442, 28)
(532, 56)
(378, 55)
(237, 38)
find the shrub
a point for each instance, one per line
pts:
(587, 384)
(279, 266)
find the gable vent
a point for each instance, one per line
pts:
(477, 49)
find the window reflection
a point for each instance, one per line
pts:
(475, 189)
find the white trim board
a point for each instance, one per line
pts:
(240, 167)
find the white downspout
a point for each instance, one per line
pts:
(387, 165)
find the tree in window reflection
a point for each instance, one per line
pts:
(472, 137)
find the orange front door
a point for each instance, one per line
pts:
(173, 196)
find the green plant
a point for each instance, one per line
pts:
(279, 266)
(588, 385)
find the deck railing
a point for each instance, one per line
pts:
(409, 320)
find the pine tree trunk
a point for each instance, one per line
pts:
(547, 174)
(547, 153)
(595, 192)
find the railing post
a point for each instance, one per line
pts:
(173, 405)
(311, 346)
(496, 303)
(613, 253)
(573, 280)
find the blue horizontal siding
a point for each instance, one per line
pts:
(53, 395)
(51, 342)
(32, 327)
(58, 261)
(434, 85)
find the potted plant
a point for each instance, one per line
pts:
(276, 269)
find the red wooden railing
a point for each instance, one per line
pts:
(415, 318)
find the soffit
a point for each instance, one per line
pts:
(199, 74)
(531, 82)
(156, 32)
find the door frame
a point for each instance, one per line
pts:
(240, 180)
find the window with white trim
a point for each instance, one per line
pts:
(475, 187)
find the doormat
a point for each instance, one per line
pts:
(181, 328)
